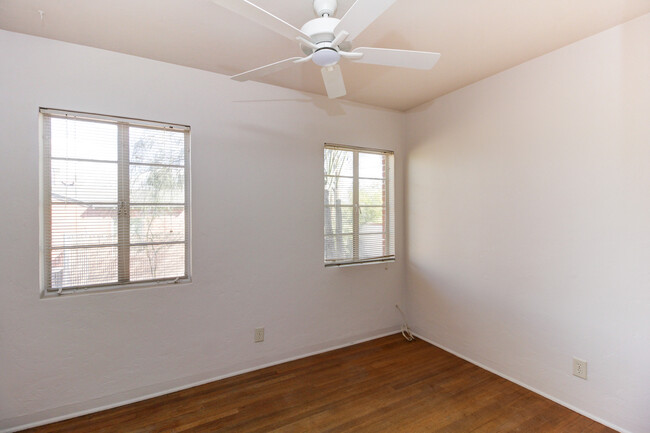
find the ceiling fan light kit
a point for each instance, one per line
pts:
(326, 56)
(326, 40)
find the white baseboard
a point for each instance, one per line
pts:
(21, 423)
(522, 384)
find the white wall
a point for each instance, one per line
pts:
(528, 238)
(528, 213)
(257, 235)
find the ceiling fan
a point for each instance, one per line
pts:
(326, 40)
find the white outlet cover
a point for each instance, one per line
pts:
(580, 368)
(259, 335)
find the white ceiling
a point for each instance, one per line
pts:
(477, 38)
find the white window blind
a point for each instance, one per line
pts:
(359, 205)
(115, 201)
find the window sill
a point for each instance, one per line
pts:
(370, 262)
(45, 294)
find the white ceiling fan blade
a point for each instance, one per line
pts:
(264, 70)
(398, 58)
(360, 15)
(333, 79)
(262, 17)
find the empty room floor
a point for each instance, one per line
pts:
(384, 385)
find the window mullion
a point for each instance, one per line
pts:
(355, 201)
(123, 214)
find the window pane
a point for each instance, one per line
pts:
(357, 222)
(84, 154)
(338, 220)
(338, 247)
(84, 181)
(371, 165)
(157, 224)
(157, 261)
(338, 191)
(74, 224)
(338, 162)
(84, 267)
(371, 192)
(153, 184)
(371, 219)
(155, 146)
(83, 140)
(371, 246)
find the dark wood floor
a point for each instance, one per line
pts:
(385, 385)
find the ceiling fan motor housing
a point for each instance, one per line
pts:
(321, 33)
(320, 29)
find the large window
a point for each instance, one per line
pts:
(359, 206)
(114, 202)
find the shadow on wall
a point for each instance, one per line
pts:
(332, 107)
(431, 311)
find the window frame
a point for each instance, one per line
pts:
(389, 204)
(123, 202)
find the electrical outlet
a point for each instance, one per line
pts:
(259, 335)
(580, 368)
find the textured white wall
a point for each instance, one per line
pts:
(529, 239)
(257, 235)
(529, 223)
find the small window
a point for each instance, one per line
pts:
(359, 206)
(114, 202)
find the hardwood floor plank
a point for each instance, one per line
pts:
(384, 385)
